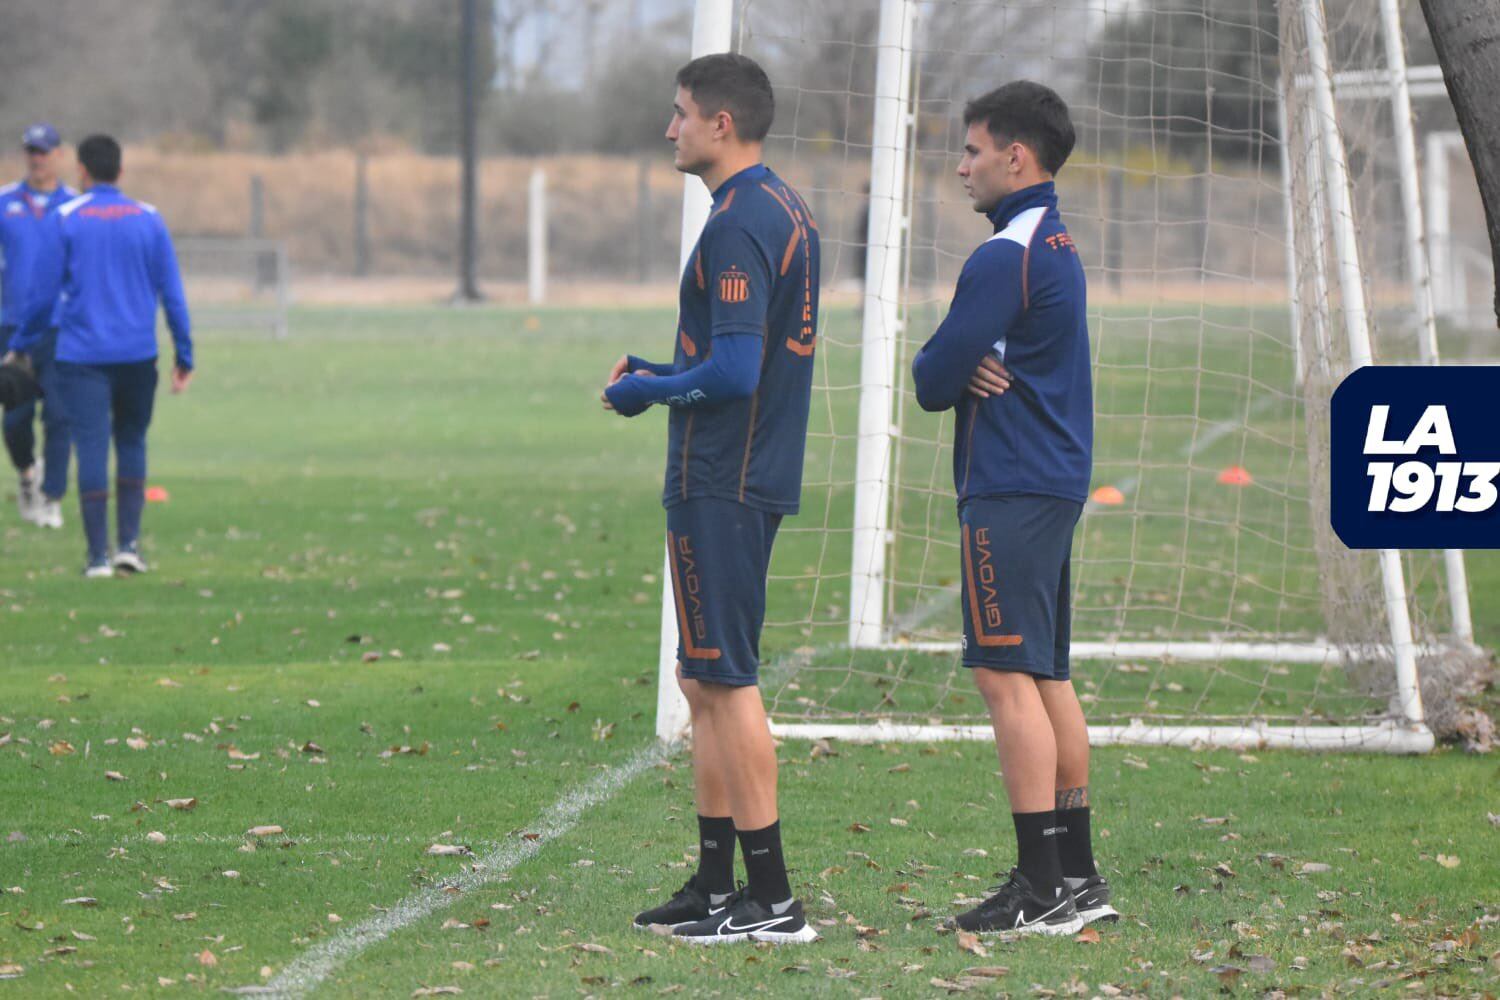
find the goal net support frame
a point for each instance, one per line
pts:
(888, 228)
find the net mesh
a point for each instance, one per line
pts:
(1208, 524)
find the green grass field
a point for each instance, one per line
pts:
(407, 593)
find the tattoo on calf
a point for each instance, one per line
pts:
(1073, 798)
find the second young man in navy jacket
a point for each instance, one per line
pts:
(1012, 357)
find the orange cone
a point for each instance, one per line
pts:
(1236, 475)
(1108, 496)
(157, 494)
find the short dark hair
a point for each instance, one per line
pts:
(100, 156)
(1028, 113)
(728, 81)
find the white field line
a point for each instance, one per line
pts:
(235, 840)
(315, 965)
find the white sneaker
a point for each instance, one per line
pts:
(129, 561)
(29, 491)
(99, 571)
(49, 513)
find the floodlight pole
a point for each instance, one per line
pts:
(468, 283)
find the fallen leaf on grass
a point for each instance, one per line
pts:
(156, 837)
(235, 753)
(436, 991)
(1228, 974)
(1448, 860)
(597, 949)
(186, 805)
(858, 828)
(60, 749)
(1314, 868)
(81, 901)
(207, 958)
(114, 776)
(136, 743)
(950, 985)
(11, 970)
(168, 682)
(80, 936)
(970, 943)
(311, 747)
(987, 971)
(1089, 935)
(449, 850)
(452, 924)
(265, 831)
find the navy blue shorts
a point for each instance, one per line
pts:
(1017, 607)
(721, 552)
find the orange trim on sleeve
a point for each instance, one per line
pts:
(791, 249)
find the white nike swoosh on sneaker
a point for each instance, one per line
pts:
(1021, 920)
(727, 927)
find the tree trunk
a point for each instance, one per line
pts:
(1466, 34)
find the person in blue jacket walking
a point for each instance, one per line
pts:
(111, 259)
(24, 207)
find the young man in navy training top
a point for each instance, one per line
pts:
(738, 388)
(112, 260)
(24, 207)
(1012, 357)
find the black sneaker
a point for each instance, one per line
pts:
(1091, 897)
(747, 919)
(1018, 909)
(688, 905)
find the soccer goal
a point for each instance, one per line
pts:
(235, 283)
(1249, 239)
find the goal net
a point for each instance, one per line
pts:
(235, 283)
(1211, 602)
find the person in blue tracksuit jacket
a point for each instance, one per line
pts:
(111, 260)
(24, 207)
(1012, 358)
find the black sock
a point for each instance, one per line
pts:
(1075, 848)
(765, 867)
(1036, 838)
(716, 855)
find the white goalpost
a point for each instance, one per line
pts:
(236, 283)
(1209, 610)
